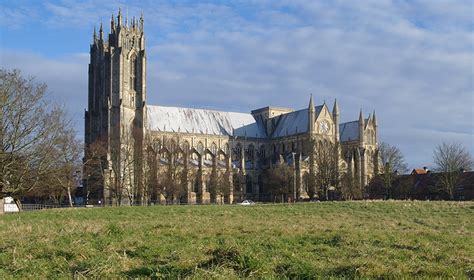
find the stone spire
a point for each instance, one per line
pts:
(112, 23)
(335, 117)
(375, 119)
(361, 128)
(94, 36)
(119, 18)
(101, 32)
(335, 108)
(311, 114)
(375, 128)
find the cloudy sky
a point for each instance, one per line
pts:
(411, 61)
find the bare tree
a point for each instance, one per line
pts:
(325, 160)
(393, 163)
(225, 185)
(68, 151)
(172, 168)
(277, 180)
(29, 129)
(450, 160)
(94, 169)
(350, 187)
(214, 187)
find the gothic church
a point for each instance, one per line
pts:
(137, 153)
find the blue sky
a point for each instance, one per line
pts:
(411, 61)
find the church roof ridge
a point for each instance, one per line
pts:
(200, 109)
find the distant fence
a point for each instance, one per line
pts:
(33, 207)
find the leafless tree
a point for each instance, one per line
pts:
(172, 170)
(277, 180)
(225, 185)
(450, 160)
(325, 160)
(67, 152)
(95, 169)
(214, 187)
(29, 130)
(393, 163)
(350, 187)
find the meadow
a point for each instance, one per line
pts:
(361, 239)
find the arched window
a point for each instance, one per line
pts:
(196, 185)
(185, 146)
(250, 152)
(133, 73)
(238, 151)
(248, 184)
(262, 152)
(200, 147)
(213, 148)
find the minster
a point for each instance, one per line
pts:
(136, 153)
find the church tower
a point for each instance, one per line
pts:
(116, 106)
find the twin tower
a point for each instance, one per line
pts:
(116, 111)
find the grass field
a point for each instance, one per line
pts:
(314, 240)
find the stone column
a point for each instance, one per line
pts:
(229, 198)
(363, 169)
(299, 180)
(204, 196)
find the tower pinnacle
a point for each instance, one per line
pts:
(101, 32)
(335, 108)
(311, 114)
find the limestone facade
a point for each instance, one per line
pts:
(141, 141)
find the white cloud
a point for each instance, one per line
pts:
(411, 61)
(66, 78)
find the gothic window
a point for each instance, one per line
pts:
(262, 152)
(133, 73)
(200, 147)
(250, 152)
(236, 182)
(185, 146)
(172, 145)
(196, 185)
(248, 184)
(238, 151)
(213, 148)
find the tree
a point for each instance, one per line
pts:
(450, 160)
(214, 186)
(68, 151)
(30, 129)
(94, 170)
(350, 187)
(277, 180)
(325, 162)
(225, 185)
(393, 163)
(173, 169)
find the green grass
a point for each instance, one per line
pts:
(303, 241)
